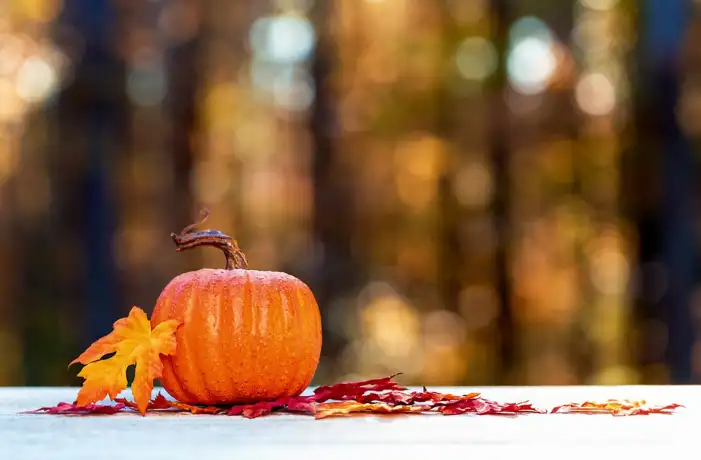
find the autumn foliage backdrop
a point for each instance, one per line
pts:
(478, 192)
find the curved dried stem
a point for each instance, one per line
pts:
(187, 239)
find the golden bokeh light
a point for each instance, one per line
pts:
(473, 185)
(42, 11)
(479, 306)
(391, 323)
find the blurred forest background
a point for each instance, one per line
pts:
(478, 191)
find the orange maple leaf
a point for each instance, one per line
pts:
(348, 407)
(615, 407)
(133, 342)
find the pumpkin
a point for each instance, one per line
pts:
(247, 335)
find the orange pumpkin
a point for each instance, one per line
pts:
(247, 335)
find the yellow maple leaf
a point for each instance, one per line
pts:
(133, 342)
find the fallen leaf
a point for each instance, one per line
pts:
(615, 407)
(391, 397)
(403, 397)
(64, 408)
(300, 404)
(293, 404)
(521, 408)
(126, 403)
(442, 397)
(348, 407)
(481, 406)
(133, 342)
(351, 390)
(158, 403)
(256, 410)
(211, 410)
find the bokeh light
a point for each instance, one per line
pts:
(599, 5)
(293, 89)
(146, 79)
(36, 79)
(595, 94)
(282, 39)
(468, 12)
(531, 61)
(476, 58)
(473, 185)
(479, 306)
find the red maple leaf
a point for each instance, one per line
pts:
(481, 406)
(64, 408)
(351, 390)
(303, 404)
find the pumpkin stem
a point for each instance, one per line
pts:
(187, 239)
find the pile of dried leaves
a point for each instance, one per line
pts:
(378, 396)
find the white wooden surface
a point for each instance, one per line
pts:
(183, 436)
